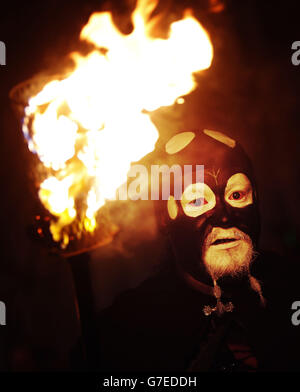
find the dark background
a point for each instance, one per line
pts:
(250, 92)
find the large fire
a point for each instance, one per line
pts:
(88, 127)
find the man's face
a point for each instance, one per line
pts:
(214, 226)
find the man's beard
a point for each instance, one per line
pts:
(227, 252)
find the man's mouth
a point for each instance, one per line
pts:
(223, 240)
(225, 243)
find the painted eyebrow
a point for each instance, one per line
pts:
(238, 186)
(242, 181)
(188, 190)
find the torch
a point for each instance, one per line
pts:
(88, 124)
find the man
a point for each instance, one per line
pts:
(220, 304)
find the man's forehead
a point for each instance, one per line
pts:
(182, 140)
(210, 148)
(220, 155)
(215, 177)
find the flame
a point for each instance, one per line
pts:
(88, 127)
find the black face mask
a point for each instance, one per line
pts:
(229, 197)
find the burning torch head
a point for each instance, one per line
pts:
(213, 219)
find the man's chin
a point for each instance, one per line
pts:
(232, 258)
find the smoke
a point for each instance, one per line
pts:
(135, 254)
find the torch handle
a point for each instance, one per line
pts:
(80, 266)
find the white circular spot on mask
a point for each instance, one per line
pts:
(172, 207)
(238, 191)
(220, 137)
(179, 142)
(197, 199)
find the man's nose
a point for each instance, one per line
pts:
(221, 214)
(224, 219)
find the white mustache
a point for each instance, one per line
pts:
(218, 233)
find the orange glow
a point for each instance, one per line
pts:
(88, 127)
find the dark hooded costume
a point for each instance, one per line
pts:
(184, 318)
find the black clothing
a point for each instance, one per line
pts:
(160, 326)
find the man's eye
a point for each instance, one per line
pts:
(237, 195)
(198, 202)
